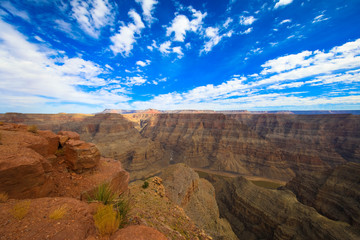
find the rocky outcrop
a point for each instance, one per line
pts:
(81, 155)
(138, 232)
(334, 193)
(197, 197)
(29, 167)
(259, 213)
(113, 135)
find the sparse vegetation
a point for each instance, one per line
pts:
(1, 123)
(21, 209)
(103, 194)
(32, 128)
(3, 197)
(107, 220)
(145, 185)
(58, 213)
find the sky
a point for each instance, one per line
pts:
(86, 56)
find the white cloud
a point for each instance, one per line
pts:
(214, 38)
(143, 64)
(137, 81)
(227, 22)
(15, 12)
(247, 20)
(92, 15)
(181, 24)
(285, 21)
(320, 18)
(48, 77)
(124, 40)
(148, 7)
(282, 3)
(178, 50)
(165, 47)
(247, 31)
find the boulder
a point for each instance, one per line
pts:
(138, 232)
(23, 173)
(81, 155)
(66, 135)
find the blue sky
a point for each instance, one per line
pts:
(85, 56)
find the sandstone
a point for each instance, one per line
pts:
(66, 135)
(23, 173)
(81, 155)
(138, 232)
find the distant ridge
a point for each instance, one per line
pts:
(155, 111)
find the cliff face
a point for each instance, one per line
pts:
(197, 197)
(274, 146)
(259, 213)
(334, 193)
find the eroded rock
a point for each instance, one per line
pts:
(81, 155)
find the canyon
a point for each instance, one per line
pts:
(314, 157)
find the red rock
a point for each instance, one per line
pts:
(81, 155)
(138, 232)
(23, 173)
(53, 141)
(66, 135)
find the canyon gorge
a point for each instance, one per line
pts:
(315, 159)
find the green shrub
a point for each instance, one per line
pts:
(107, 220)
(145, 185)
(103, 194)
(122, 206)
(32, 128)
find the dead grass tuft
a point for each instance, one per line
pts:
(21, 209)
(32, 128)
(59, 212)
(107, 220)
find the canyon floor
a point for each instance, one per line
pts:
(209, 175)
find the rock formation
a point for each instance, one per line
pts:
(197, 197)
(259, 213)
(334, 193)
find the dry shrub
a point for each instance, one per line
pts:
(21, 209)
(59, 212)
(32, 128)
(107, 220)
(3, 197)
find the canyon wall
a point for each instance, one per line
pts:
(275, 146)
(258, 213)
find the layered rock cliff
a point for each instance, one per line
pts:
(334, 193)
(259, 213)
(197, 197)
(275, 146)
